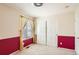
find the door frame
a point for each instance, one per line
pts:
(21, 30)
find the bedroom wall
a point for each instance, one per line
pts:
(9, 22)
(77, 30)
(66, 30)
(62, 25)
(50, 38)
(52, 30)
(66, 24)
(41, 30)
(9, 29)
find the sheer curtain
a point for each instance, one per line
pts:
(27, 30)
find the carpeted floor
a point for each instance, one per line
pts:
(37, 49)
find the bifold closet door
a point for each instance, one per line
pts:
(41, 31)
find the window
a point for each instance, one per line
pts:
(27, 30)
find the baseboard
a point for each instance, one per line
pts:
(14, 53)
(27, 46)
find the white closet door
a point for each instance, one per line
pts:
(41, 31)
(51, 32)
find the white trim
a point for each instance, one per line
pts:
(14, 53)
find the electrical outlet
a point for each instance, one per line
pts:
(60, 43)
(23, 43)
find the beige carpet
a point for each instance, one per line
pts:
(37, 49)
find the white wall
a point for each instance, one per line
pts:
(61, 24)
(66, 24)
(52, 25)
(9, 22)
(77, 30)
(51, 31)
(41, 31)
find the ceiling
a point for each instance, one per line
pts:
(46, 10)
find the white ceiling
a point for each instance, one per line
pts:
(46, 10)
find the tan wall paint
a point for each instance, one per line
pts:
(9, 22)
(66, 24)
(61, 24)
(77, 30)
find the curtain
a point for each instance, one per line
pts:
(26, 25)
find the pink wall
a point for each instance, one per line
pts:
(28, 41)
(9, 45)
(67, 42)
